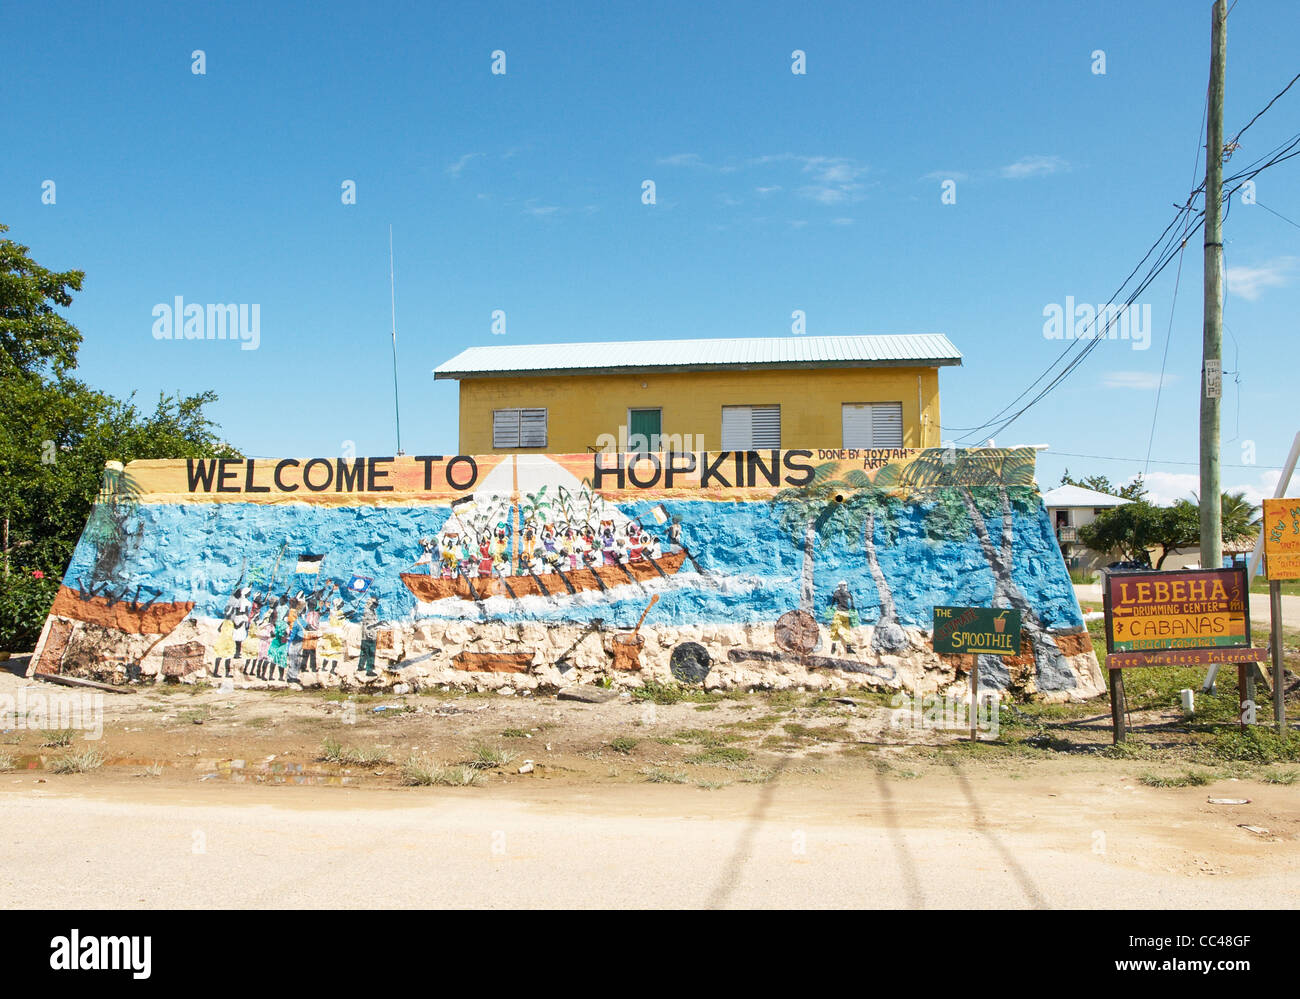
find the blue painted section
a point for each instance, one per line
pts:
(752, 568)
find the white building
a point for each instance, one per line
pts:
(1070, 507)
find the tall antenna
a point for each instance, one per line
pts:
(392, 287)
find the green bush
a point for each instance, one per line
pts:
(25, 599)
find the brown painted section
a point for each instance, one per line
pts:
(627, 651)
(429, 588)
(181, 660)
(493, 662)
(1073, 643)
(56, 643)
(122, 615)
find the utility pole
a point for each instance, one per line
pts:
(1212, 339)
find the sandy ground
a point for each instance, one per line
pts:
(967, 840)
(212, 799)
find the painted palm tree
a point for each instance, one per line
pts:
(804, 511)
(872, 508)
(966, 489)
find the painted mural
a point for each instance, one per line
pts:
(760, 568)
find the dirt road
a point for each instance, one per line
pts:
(977, 840)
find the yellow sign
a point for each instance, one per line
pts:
(1282, 538)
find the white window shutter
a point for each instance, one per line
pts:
(765, 427)
(873, 425)
(857, 425)
(532, 428)
(505, 428)
(887, 424)
(736, 430)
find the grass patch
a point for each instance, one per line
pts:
(419, 772)
(705, 738)
(58, 737)
(720, 754)
(515, 733)
(706, 707)
(333, 751)
(1283, 777)
(7, 761)
(77, 763)
(656, 776)
(1255, 745)
(623, 744)
(485, 757)
(671, 693)
(1186, 779)
(760, 724)
(196, 716)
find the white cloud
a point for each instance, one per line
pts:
(455, 168)
(681, 159)
(957, 175)
(1250, 282)
(1163, 488)
(841, 221)
(768, 190)
(541, 211)
(1033, 166)
(1146, 380)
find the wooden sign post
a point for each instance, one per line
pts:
(1183, 617)
(1281, 562)
(976, 631)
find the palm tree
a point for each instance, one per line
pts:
(966, 488)
(803, 511)
(874, 507)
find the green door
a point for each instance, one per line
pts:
(644, 428)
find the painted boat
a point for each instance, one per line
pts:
(430, 588)
(123, 615)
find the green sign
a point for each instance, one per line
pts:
(991, 631)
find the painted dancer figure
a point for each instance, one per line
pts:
(369, 636)
(607, 546)
(501, 551)
(485, 554)
(429, 556)
(675, 534)
(311, 632)
(550, 553)
(842, 616)
(449, 549)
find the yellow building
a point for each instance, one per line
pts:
(697, 395)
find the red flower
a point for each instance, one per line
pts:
(37, 574)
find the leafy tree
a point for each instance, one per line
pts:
(1134, 490)
(1132, 530)
(56, 433)
(33, 335)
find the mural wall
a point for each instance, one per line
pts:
(761, 568)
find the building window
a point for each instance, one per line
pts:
(873, 424)
(518, 428)
(748, 428)
(644, 427)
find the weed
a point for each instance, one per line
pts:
(656, 776)
(514, 733)
(333, 751)
(1186, 779)
(623, 744)
(58, 737)
(418, 772)
(720, 754)
(7, 761)
(77, 763)
(487, 757)
(1284, 777)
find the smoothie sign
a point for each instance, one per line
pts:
(1182, 609)
(993, 631)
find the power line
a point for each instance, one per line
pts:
(1156, 461)
(1285, 151)
(1278, 214)
(1169, 336)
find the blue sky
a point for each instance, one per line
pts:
(775, 192)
